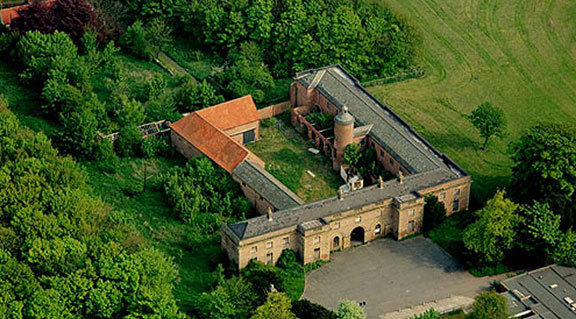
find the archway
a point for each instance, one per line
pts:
(357, 236)
(336, 243)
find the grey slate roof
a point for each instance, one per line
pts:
(534, 290)
(311, 212)
(427, 166)
(267, 186)
(390, 130)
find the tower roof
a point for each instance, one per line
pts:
(344, 117)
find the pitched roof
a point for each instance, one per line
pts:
(9, 14)
(267, 186)
(320, 209)
(232, 113)
(395, 135)
(211, 141)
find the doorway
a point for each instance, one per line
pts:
(357, 236)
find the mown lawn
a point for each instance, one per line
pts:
(520, 55)
(288, 159)
(196, 258)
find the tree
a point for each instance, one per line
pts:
(495, 230)
(434, 212)
(352, 154)
(565, 252)
(429, 314)
(540, 229)
(489, 120)
(545, 158)
(68, 16)
(348, 309)
(262, 276)
(489, 305)
(233, 298)
(304, 309)
(277, 306)
(145, 171)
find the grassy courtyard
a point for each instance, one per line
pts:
(520, 55)
(287, 158)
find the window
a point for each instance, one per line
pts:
(411, 212)
(261, 198)
(336, 242)
(457, 191)
(254, 259)
(248, 136)
(286, 241)
(391, 162)
(254, 249)
(456, 205)
(317, 253)
(316, 239)
(411, 226)
(442, 195)
(269, 258)
(269, 244)
(243, 184)
(377, 230)
(381, 153)
(358, 219)
(336, 225)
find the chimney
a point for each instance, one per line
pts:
(400, 177)
(270, 213)
(340, 194)
(380, 182)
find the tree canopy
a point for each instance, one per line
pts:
(489, 120)
(545, 159)
(63, 252)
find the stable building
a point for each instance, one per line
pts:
(393, 207)
(220, 132)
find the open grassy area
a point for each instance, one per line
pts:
(520, 55)
(195, 258)
(287, 158)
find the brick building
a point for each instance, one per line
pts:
(219, 133)
(393, 207)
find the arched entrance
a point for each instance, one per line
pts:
(336, 243)
(357, 236)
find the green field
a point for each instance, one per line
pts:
(518, 54)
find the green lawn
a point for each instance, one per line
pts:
(520, 55)
(287, 158)
(195, 258)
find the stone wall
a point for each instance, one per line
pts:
(274, 110)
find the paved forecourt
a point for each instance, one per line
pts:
(390, 275)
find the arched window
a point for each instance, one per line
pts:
(378, 230)
(336, 242)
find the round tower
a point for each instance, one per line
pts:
(343, 134)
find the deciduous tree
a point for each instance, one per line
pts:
(489, 120)
(489, 305)
(348, 309)
(277, 306)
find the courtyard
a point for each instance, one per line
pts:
(390, 275)
(287, 158)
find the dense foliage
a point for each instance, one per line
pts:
(202, 188)
(434, 213)
(64, 253)
(489, 305)
(349, 309)
(304, 309)
(277, 306)
(429, 314)
(545, 159)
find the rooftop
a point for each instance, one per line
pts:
(271, 189)
(316, 211)
(399, 139)
(547, 293)
(211, 141)
(232, 113)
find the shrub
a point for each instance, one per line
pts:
(304, 309)
(129, 141)
(153, 146)
(489, 304)
(262, 276)
(434, 213)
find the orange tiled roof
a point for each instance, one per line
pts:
(232, 113)
(9, 14)
(211, 141)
